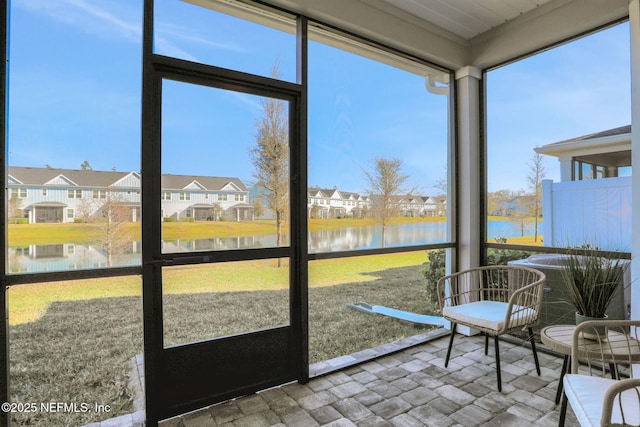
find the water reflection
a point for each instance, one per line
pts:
(68, 256)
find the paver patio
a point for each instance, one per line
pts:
(408, 388)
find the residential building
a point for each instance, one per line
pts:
(67, 195)
(605, 154)
(334, 203)
(518, 205)
(452, 46)
(594, 188)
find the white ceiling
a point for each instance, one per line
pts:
(467, 18)
(451, 33)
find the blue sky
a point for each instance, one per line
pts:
(75, 76)
(572, 90)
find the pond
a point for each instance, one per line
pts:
(69, 256)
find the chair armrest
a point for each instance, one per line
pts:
(440, 290)
(610, 399)
(628, 348)
(532, 299)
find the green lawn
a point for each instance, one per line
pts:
(21, 235)
(86, 233)
(72, 341)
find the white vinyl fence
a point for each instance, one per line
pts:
(597, 212)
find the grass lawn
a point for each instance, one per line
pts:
(21, 235)
(71, 341)
(87, 233)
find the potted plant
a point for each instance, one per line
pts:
(592, 280)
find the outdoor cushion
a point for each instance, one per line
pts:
(586, 393)
(488, 314)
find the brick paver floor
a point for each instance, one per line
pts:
(404, 389)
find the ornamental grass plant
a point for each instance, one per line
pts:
(592, 279)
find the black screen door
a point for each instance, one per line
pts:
(221, 212)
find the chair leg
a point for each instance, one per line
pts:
(565, 365)
(453, 332)
(486, 343)
(535, 353)
(563, 411)
(498, 363)
(613, 368)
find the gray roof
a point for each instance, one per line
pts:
(49, 204)
(622, 130)
(105, 179)
(179, 182)
(83, 178)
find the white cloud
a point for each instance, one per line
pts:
(90, 17)
(195, 37)
(121, 21)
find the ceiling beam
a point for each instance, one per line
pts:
(386, 24)
(548, 25)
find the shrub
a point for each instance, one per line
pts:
(434, 268)
(503, 256)
(18, 220)
(169, 219)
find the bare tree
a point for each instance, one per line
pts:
(85, 209)
(387, 187)
(442, 183)
(496, 201)
(270, 157)
(258, 210)
(15, 205)
(536, 175)
(114, 237)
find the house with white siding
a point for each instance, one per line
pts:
(334, 203)
(594, 188)
(68, 195)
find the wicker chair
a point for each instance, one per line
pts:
(595, 388)
(494, 300)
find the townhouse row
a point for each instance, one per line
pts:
(68, 195)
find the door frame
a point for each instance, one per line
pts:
(180, 379)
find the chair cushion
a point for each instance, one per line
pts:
(586, 396)
(488, 314)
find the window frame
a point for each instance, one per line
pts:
(74, 193)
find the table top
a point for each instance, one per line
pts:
(560, 338)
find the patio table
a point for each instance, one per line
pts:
(559, 338)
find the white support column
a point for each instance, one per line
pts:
(547, 212)
(566, 168)
(469, 173)
(634, 23)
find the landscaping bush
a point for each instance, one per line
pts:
(187, 219)
(18, 220)
(169, 219)
(503, 256)
(434, 268)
